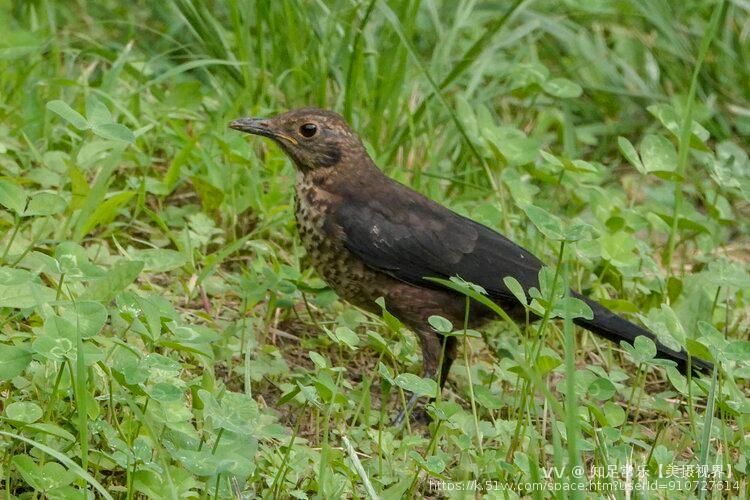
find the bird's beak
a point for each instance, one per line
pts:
(259, 126)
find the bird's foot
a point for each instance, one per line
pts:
(417, 413)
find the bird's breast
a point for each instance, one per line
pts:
(340, 269)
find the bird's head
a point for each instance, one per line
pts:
(313, 138)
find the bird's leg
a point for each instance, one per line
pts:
(437, 351)
(448, 356)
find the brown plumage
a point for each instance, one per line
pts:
(369, 236)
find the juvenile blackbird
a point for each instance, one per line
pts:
(369, 236)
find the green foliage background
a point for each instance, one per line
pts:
(161, 333)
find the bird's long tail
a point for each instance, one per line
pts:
(616, 328)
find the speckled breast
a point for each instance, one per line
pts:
(341, 270)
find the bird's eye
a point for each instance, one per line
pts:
(308, 129)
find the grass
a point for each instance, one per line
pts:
(163, 335)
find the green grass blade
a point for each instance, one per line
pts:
(64, 459)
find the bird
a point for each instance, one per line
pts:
(369, 236)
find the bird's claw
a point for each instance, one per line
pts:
(401, 417)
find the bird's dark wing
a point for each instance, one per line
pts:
(411, 237)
